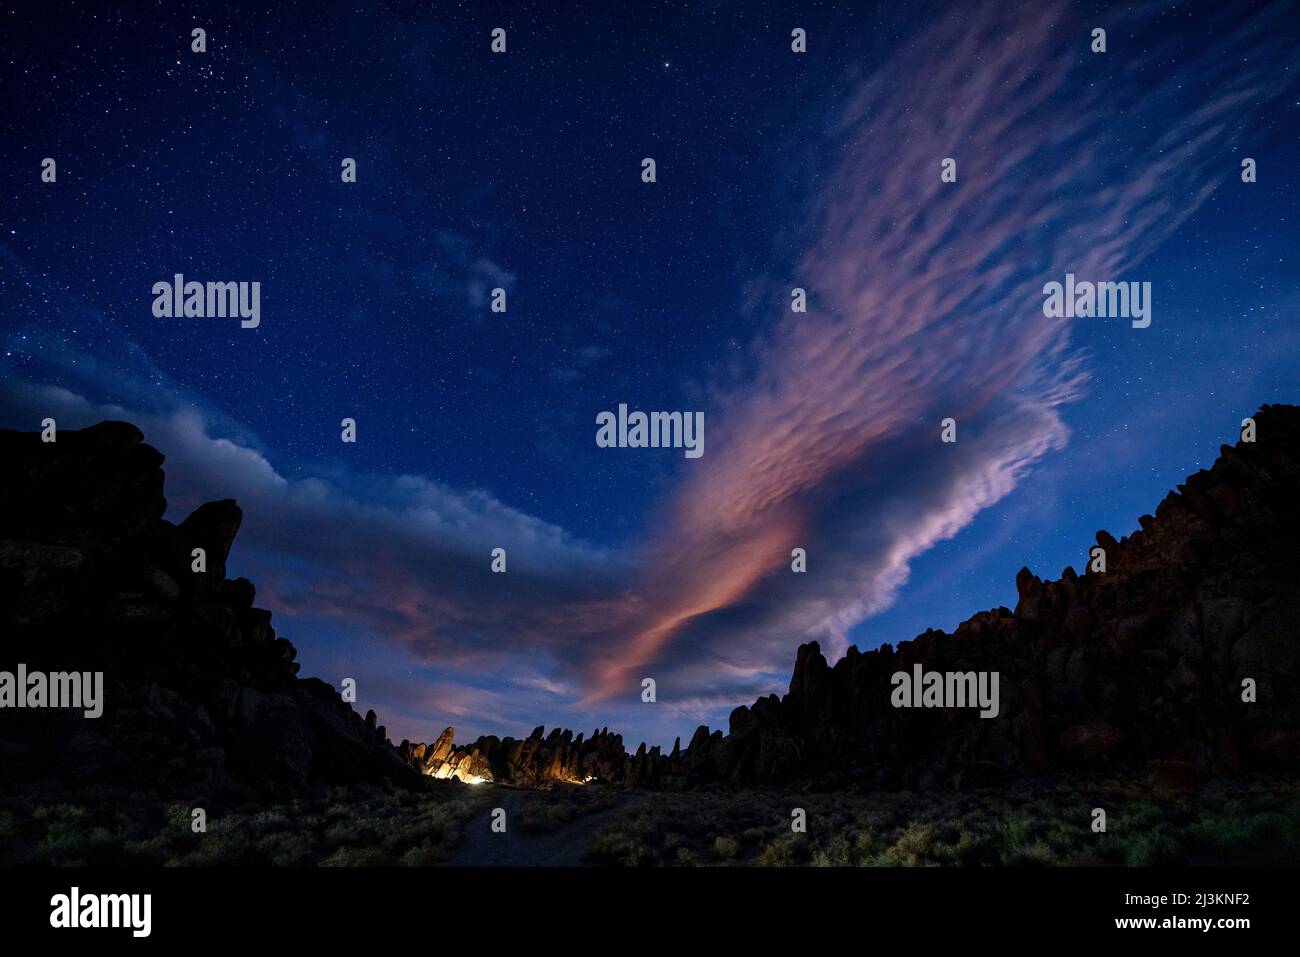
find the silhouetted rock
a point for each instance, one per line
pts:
(1142, 664)
(1138, 667)
(197, 686)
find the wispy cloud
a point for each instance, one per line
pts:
(925, 304)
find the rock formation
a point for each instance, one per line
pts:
(1140, 667)
(536, 760)
(197, 685)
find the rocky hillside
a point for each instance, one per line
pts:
(1138, 667)
(197, 686)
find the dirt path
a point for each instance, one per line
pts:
(563, 847)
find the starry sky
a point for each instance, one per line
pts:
(522, 171)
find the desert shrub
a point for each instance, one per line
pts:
(151, 852)
(285, 848)
(358, 857)
(1031, 854)
(620, 848)
(1247, 832)
(1151, 849)
(782, 852)
(913, 847)
(225, 844)
(725, 848)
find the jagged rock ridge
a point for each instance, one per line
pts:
(198, 687)
(1139, 667)
(538, 760)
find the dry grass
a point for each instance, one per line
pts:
(1030, 824)
(344, 827)
(1025, 825)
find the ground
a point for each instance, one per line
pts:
(1043, 822)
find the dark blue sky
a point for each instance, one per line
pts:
(521, 170)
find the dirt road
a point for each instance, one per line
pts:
(566, 846)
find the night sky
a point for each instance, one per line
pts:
(522, 170)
